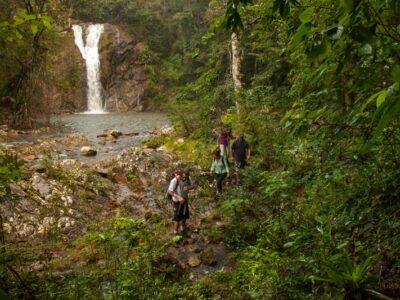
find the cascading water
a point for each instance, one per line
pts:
(90, 53)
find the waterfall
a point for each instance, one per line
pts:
(90, 53)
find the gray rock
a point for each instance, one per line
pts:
(69, 163)
(41, 185)
(102, 172)
(116, 133)
(88, 151)
(37, 168)
(131, 134)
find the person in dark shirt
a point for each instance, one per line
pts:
(241, 153)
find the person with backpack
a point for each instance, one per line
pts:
(178, 194)
(220, 169)
(223, 142)
(241, 153)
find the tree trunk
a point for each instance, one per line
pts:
(235, 67)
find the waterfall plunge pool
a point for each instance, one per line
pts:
(91, 125)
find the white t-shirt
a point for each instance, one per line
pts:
(180, 188)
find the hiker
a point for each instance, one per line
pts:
(219, 168)
(223, 142)
(241, 153)
(178, 190)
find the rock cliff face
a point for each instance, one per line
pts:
(63, 87)
(122, 71)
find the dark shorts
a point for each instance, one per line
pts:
(181, 211)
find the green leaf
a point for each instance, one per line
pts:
(377, 294)
(284, 8)
(306, 15)
(18, 34)
(34, 28)
(286, 117)
(396, 73)
(301, 32)
(372, 98)
(389, 109)
(288, 245)
(176, 238)
(47, 22)
(381, 98)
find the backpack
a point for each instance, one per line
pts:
(167, 195)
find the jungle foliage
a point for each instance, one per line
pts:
(26, 28)
(317, 215)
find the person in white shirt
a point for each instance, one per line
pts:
(178, 189)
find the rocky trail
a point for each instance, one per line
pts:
(60, 198)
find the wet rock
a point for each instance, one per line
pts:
(194, 261)
(102, 172)
(88, 151)
(162, 149)
(208, 257)
(131, 134)
(67, 200)
(167, 130)
(122, 70)
(76, 140)
(37, 168)
(169, 265)
(102, 135)
(26, 206)
(116, 133)
(65, 222)
(47, 223)
(29, 157)
(41, 185)
(102, 142)
(68, 163)
(17, 189)
(120, 179)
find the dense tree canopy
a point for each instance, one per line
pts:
(317, 216)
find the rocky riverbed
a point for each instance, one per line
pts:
(60, 198)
